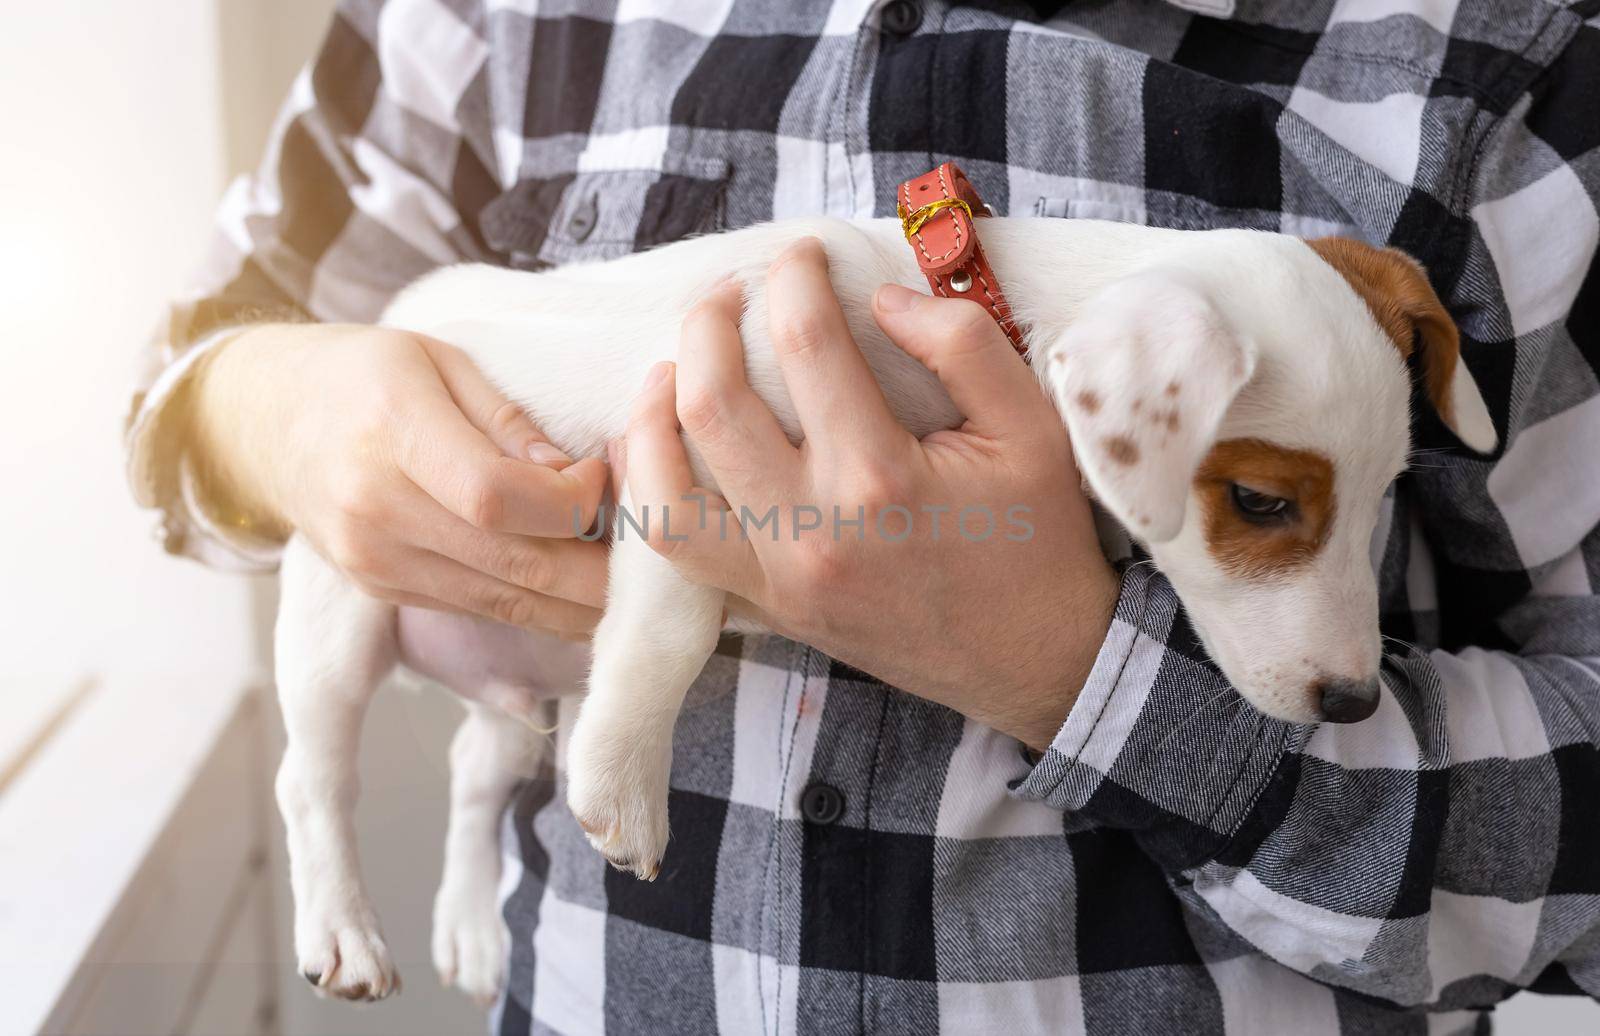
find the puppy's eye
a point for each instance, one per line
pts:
(1259, 507)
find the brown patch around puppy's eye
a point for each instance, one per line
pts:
(1250, 548)
(1121, 449)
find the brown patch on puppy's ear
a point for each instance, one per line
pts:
(1135, 337)
(1121, 449)
(1402, 301)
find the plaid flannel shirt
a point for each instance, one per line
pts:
(847, 858)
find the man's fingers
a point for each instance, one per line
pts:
(656, 467)
(732, 428)
(459, 586)
(957, 340)
(835, 394)
(568, 569)
(617, 461)
(454, 463)
(406, 599)
(688, 525)
(504, 422)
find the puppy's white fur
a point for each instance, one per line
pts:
(1266, 340)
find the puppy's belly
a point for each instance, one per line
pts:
(509, 668)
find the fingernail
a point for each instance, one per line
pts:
(896, 298)
(658, 374)
(799, 247)
(720, 285)
(544, 453)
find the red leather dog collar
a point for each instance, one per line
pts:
(938, 212)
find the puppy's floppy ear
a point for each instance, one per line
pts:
(1143, 377)
(1396, 290)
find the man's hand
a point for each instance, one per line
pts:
(405, 468)
(997, 600)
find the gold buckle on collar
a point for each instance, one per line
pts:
(912, 221)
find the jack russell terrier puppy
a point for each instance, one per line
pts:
(1237, 400)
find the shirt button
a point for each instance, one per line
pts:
(901, 17)
(581, 224)
(822, 804)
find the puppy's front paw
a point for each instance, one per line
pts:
(617, 790)
(470, 944)
(348, 961)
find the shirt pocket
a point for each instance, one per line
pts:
(1114, 209)
(592, 215)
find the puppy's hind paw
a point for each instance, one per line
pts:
(348, 963)
(470, 944)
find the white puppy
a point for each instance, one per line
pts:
(1237, 400)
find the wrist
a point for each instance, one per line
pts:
(228, 437)
(1066, 658)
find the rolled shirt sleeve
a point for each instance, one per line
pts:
(1158, 740)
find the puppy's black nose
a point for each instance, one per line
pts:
(1348, 701)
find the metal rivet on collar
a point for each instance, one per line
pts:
(961, 281)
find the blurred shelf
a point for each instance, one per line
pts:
(132, 855)
(29, 718)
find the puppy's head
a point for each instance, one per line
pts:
(1242, 409)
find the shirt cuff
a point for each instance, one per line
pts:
(161, 475)
(1158, 742)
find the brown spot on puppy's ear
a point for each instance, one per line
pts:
(1396, 290)
(1121, 449)
(1088, 401)
(1258, 548)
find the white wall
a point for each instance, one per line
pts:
(109, 111)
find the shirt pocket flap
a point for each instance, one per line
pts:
(602, 214)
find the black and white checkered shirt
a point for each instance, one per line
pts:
(847, 858)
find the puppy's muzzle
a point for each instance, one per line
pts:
(1347, 701)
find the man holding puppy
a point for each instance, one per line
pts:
(861, 841)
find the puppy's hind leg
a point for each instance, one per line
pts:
(491, 751)
(334, 645)
(656, 635)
